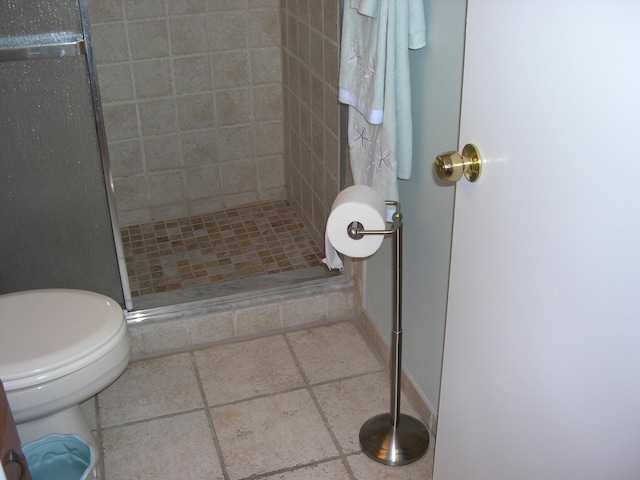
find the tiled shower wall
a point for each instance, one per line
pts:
(311, 42)
(211, 104)
(192, 97)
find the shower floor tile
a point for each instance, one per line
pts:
(202, 250)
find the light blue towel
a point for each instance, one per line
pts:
(374, 81)
(363, 56)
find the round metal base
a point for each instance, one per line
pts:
(394, 446)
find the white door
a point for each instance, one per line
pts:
(541, 372)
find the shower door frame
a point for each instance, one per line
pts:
(104, 152)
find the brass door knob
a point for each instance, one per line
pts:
(451, 165)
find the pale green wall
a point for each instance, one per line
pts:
(436, 77)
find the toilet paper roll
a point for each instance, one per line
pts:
(359, 203)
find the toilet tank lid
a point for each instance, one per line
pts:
(44, 330)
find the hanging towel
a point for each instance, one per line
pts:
(375, 83)
(362, 58)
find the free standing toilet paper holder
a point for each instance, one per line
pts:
(393, 438)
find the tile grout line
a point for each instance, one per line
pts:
(207, 409)
(101, 464)
(306, 384)
(258, 476)
(320, 410)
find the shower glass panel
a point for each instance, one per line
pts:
(55, 224)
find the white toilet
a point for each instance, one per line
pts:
(59, 348)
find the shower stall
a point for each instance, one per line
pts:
(222, 148)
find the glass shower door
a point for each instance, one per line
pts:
(56, 228)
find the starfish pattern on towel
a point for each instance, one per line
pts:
(360, 137)
(366, 72)
(363, 71)
(383, 159)
(356, 56)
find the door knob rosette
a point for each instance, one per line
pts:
(451, 166)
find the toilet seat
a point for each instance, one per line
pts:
(49, 333)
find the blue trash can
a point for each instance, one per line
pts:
(60, 457)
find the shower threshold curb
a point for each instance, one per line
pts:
(237, 294)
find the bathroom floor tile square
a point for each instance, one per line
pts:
(283, 407)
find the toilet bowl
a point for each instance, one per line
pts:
(58, 348)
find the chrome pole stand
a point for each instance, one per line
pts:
(393, 438)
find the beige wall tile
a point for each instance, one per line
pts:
(126, 158)
(266, 66)
(317, 96)
(233, 106)
(200, 147)
(176, 210)
(121, 121)
(131, 192)
(189, 35)
(162, 152)
(166, 188)
(264, 29)
(228, 30)
(230, 69)
(269, 138)
(110, 43)
(316, 14)
(182, 7)
(222, 5)
(268, 102)
(235, 142)
(152, 78)
(148, 39)
(239, 176)
(331, 20)
(192, 74)
(203, 182)
(316, 53)
(158, 116)
(270, 173)
(135, 216)
(261, 4)
(240, 199)
(101, 11)
(115, 83)
(143, 9)
(196, 111)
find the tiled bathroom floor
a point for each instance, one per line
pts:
(237, 243)
(287, 406)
